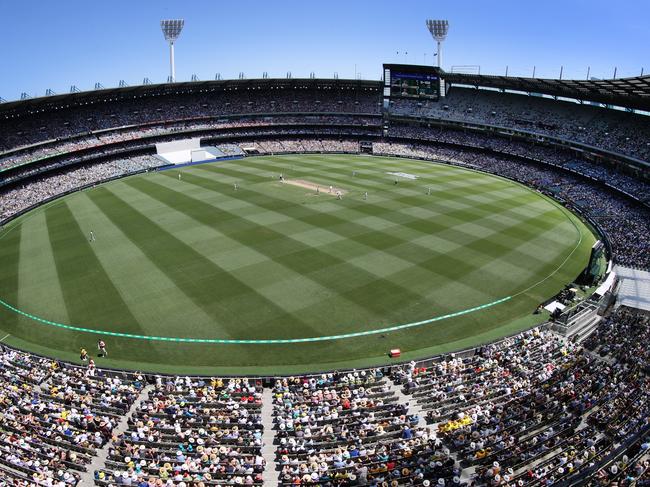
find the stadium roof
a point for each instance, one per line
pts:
(624, 92)
(58, 101)
(631, 93)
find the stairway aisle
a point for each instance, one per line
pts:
(268, 449)
(99, 461)
(415, 407)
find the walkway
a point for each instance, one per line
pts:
(271, 474)
(99, 462)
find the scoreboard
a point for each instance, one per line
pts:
(411, 82)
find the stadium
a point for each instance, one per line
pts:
(436, 278)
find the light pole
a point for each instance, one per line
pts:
(171, 30)
(438, 30)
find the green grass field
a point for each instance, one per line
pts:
(196, 259)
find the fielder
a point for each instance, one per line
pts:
(91, 238)
(101, 346)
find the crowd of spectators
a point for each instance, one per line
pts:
(533, 409)
(191, 430)
(613, 130)
(33, 192)
(304, 145)
(53, 419)
(351, 429)
(128, 148)
(78, 145)
(624, 336)
(46, 125)
(563, 158)
(537, 410)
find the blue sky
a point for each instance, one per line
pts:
(57, 44)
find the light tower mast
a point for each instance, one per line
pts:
(171, 29)
(438, 30)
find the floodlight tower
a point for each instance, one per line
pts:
(171, 30)
(438, 30)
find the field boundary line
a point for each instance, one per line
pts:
(229, 341)
(383, 330)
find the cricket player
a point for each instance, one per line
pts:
(101, 346)
(91, 238)
(365, 195)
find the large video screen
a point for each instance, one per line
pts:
(417, 82)
(413, 85)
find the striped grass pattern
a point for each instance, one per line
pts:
(223, 269)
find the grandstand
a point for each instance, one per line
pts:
(481, 395)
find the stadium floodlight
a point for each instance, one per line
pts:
(438, 30)
(171, 29)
